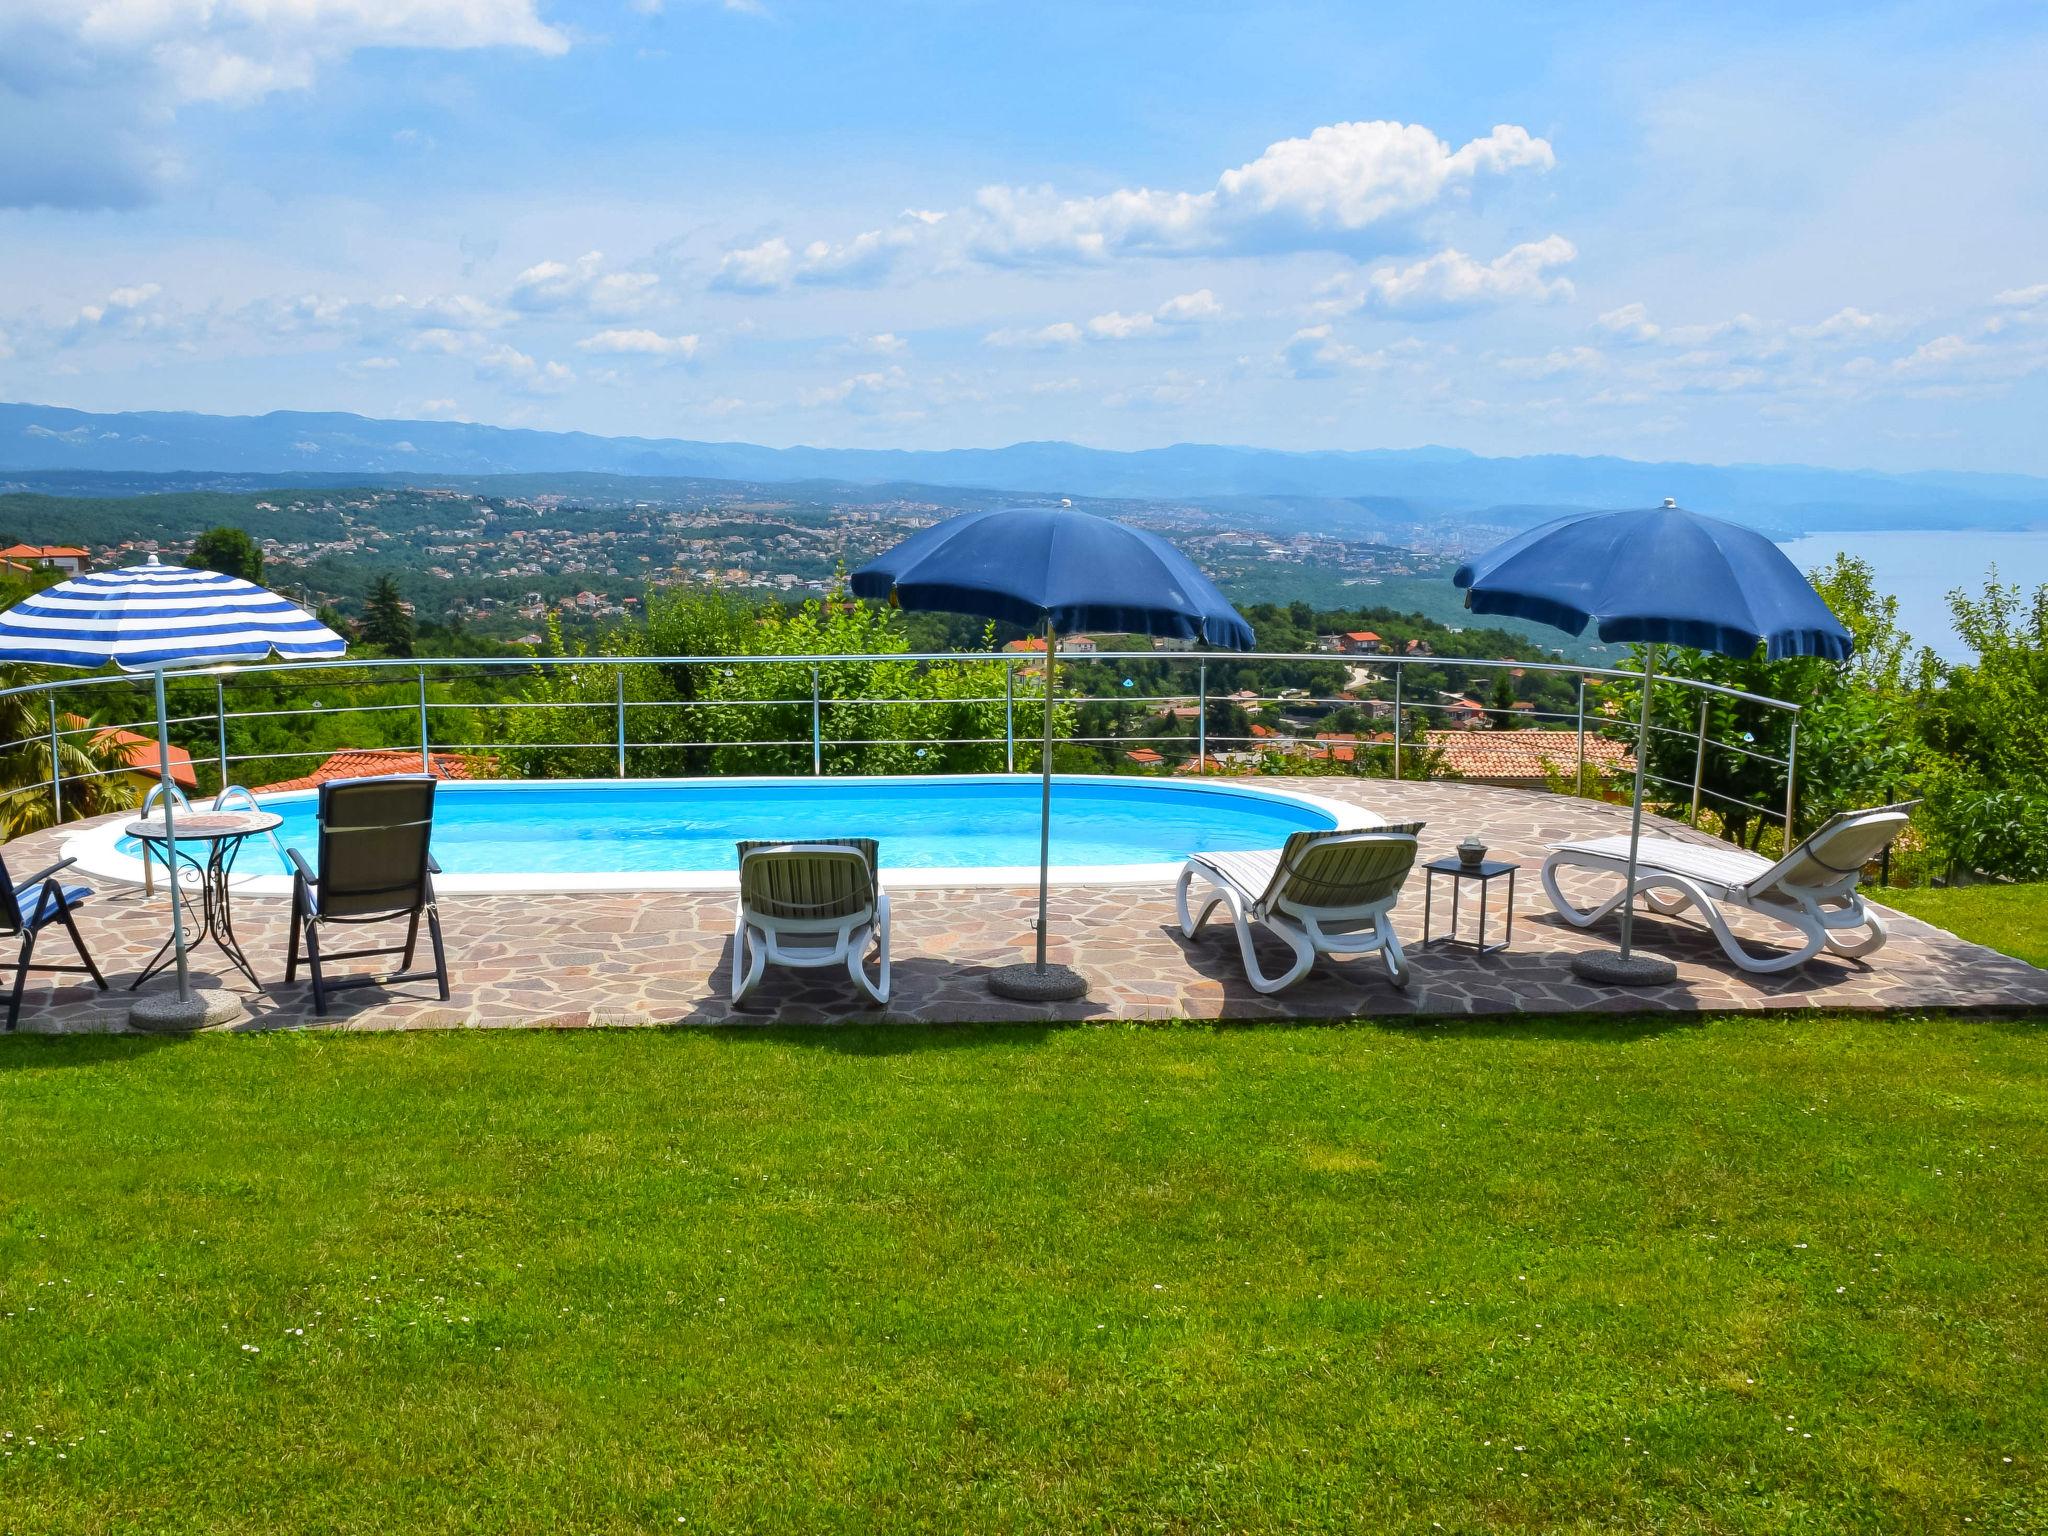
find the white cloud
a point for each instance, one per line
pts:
(1450, 281)
(1559, 360)
(884, 344)
(1062, 334)
(88, 89)
(508, 365)
(640, 343)
(581, 286)
(864, 393)
(1182, 310)
(1116, 326)
(1314, 352)
(1630, 323)
(1847, 324)
(2023, 298)
(1173, 389)
(865, 260)
(1189, 309)
(132, 310)
(759, 268)
(1349, 186)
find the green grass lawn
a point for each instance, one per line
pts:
(2010, 918)
(1759, 1274)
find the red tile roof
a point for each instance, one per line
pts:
(1525, 757)
(1145, 755)
(138, 753)
(370, 765)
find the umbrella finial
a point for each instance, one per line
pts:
(152, 560)
(1670, 502)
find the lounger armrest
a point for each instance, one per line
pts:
(299, 863)
(433, 865)
(40, 876)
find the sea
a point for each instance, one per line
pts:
(1920, 569)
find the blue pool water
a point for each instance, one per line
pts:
(629, 827)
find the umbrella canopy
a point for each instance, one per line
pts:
(1052, 565)
(1665, 576)
(1662, 577)
(143, 619)
(1062, 570)
(151, 616)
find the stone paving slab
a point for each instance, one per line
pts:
(627, 959)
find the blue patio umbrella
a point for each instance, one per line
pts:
(1664, 576)
(150, 617)
(1059, 571)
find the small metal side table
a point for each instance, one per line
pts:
(1458, 871)
(222, 832)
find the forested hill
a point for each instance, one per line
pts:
(1450, 483)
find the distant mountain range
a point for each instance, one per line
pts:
(1434, 483)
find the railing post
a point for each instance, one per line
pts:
(1201, 714)
(220, 727)
(622, 721)
(1791, 779)
(426, 752)
(1699, 763)
(57, 773)
(817, 728)
(1580, 779)
(1397, 720)
(1009, 714)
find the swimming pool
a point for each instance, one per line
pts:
(678, 834)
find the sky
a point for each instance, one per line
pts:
(1813, 233)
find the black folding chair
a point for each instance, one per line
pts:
(374, 867)
(27, 909)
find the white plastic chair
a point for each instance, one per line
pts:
(807, 905)
(1325, 893)
(1811, 890)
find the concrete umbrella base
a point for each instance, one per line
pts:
(1608, 968)
(166, 1013)
(1028, 984)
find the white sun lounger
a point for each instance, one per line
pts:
(1325, 893)
(810, 904)
(1811, 890)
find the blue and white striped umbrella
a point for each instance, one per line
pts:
(152, 616)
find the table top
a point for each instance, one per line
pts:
(1486, 869)
(207, 826)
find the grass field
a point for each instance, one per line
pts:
(2010, 918)
(1750, 1274)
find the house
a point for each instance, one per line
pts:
(1203, 765)
(1466, 714)
(1524, 706)
(137, 756)
(60, 557)
(1419, 648)
(370, 765)
(1524, 759)
(1360, 642)
(1145, 757)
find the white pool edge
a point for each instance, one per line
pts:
(98, 856)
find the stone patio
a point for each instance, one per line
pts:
(573, 961)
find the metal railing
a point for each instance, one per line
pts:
(1386, 679)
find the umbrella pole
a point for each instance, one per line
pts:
(1041, 982)
(1052, 651)
(1635, 820)
(1628, 969)
(163, 766)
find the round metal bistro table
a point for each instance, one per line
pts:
(223, 832)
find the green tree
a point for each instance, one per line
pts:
(387, 623)
(84, 763)
(1985, 772)
(228, 550)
